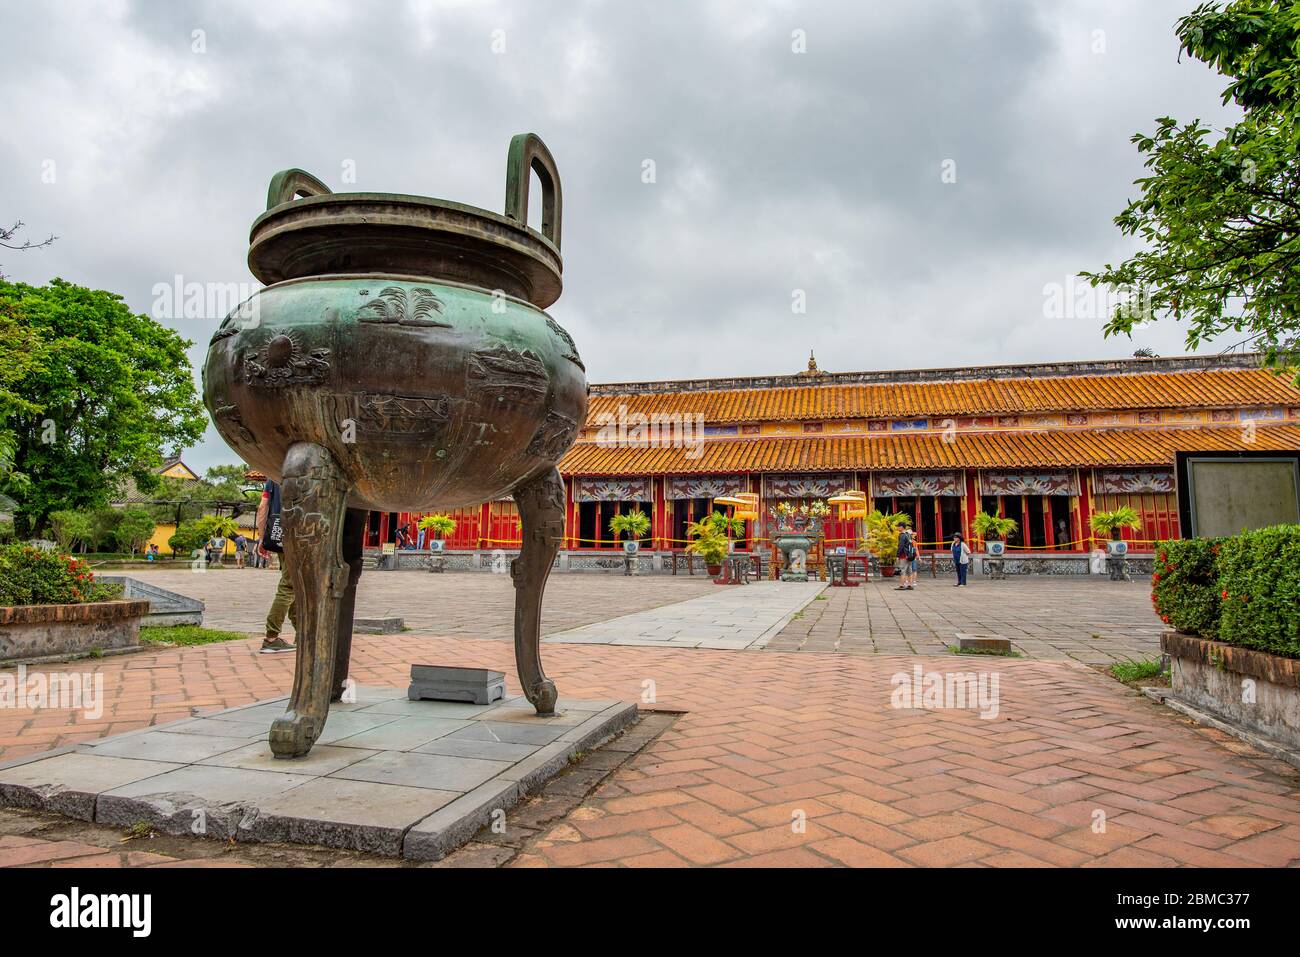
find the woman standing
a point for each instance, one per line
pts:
(960, 558)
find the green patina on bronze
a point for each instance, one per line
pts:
(399, 358)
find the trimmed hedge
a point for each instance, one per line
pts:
(1184, 586)
(1244, 590)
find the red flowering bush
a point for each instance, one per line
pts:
(30, 576)
(1184, 586)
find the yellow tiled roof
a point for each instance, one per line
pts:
(1082, 448)
(1200, 389)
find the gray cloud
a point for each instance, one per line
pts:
(776, 171)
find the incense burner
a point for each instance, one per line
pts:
(399, 358)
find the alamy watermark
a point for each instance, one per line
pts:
(658, 430)
(937, 690)
(67, 690)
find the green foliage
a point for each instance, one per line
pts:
(72, 529)
(882, 533)
(1128, 671)
(186, 635)
(1184, 587)
(135, 526)
(31, 576)
(720, 523)
(633, 524)
(1110, 523)
(709, 541)
(192, 536)
(986, 526)
(100, 393)
(1219, 212)
(181, 500)
(1244, 590)
(1259, 597)
(443, 526)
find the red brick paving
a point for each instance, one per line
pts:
(799, 760)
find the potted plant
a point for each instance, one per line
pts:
(997, 527)
(1113, 523)
(882, 537)
(633, 525)
(710, 544)
(440, 526)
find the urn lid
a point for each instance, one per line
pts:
(328, 233)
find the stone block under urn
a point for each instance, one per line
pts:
(399, 359)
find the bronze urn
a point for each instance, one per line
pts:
(399, 358)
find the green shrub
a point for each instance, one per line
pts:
(1184, 585)
(31, 576)
(1259, 590)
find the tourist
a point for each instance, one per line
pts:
(241, 543)
(960, 558)
(907, 559)
(270, 533)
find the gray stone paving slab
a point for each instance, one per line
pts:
(404, 734)
(510, 732)
(415, 769)
(432, 769)
(68, 783)
(336, 812)
(323, 759)
(167, 746)
(746, 616)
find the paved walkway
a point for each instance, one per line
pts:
(787, 759)
(732, 618)
(473, 604)
(1092, 620)
(1084, 619)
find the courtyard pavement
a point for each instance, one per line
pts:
(790, 759)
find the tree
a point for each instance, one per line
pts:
(72, 528)
(112, 389)
(134, 529)
(9, 240)
(1220, 213)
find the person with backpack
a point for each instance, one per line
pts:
(270, 532)
(906, 559)
(960, 558)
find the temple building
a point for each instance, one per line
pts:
(1047, 444)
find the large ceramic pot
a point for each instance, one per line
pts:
(405, 335)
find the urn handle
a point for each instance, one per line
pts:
(288, 183)
(528, 153)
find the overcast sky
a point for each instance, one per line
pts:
(921, 172)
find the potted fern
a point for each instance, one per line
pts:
(440, 527)
(633, 525)
(996, 527)
(1113, 523)
(882, 537)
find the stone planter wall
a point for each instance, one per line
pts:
(1223, 679)
(35, 631)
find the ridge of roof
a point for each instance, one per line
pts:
(1087, 367)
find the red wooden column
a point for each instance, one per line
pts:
(970, 477)
(660, 526)
(570, 516)
(1085, 506)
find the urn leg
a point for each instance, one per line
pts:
(354, 530)
(313, 496)
(541, 510)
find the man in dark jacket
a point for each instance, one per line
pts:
(271, 535)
